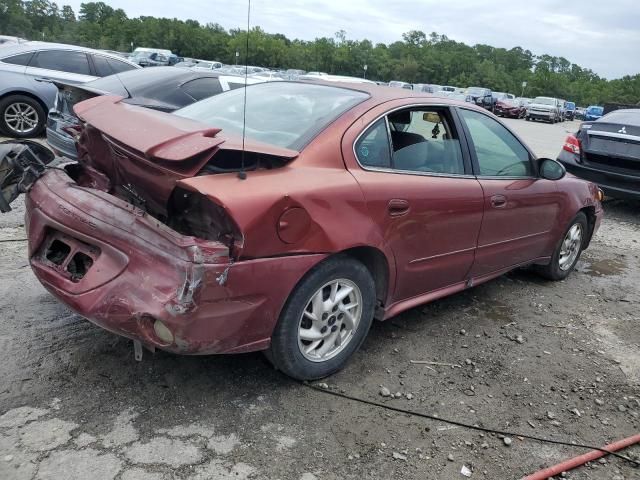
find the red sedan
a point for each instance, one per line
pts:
(343, 204)
(511, 108)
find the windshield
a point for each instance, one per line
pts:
(570, 106)
(544, 101)
(595, 110)
(284, 114)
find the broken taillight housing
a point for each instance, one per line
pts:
(572, 145)
(191, 213)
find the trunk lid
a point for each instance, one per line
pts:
(144, 152)
(611, 147)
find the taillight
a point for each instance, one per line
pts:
(572, 144)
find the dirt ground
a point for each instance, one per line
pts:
(559, 360)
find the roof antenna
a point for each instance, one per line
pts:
(242, 175)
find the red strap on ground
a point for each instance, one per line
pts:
(582, 459)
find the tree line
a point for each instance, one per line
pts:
(417, 58)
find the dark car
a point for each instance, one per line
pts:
(570, 110)
(482, 97)
(607, 152)
(341, 204)
(510, 108)
(161, 88)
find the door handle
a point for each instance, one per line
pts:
(43, 79)
(398, 207)
(498, 201)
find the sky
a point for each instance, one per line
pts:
(601, 35)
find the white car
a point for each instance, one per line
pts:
(27, 71)
(544, 108)
(207, 65)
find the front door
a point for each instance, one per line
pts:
(419, 190)
(520, 209)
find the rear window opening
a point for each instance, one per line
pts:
(79, 265)
(57, 252)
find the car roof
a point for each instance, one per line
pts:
(24, 47)
(380, 94)
(623, 116)
(147, 79)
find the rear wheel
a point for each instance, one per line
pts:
(568, 251)
(325, 320)
(21, 116)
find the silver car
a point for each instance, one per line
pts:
(27, 70)
(544, 108)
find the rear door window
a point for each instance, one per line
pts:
(423, 140)
(62, 61)
(118, 66)
(103, 69)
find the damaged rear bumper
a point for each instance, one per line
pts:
(136, 277)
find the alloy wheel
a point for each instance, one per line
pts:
(329, 320)
(21, 118)
(570, 247)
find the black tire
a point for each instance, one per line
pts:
(552, 271)
(527, 118)
(284, 352)
(40, 116)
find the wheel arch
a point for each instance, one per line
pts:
(26, 93)
(377, 264)
(590, 212)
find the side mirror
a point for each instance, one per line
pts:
(551, 169)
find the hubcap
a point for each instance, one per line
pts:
(21, 117)
(329, 320)
(570, 247)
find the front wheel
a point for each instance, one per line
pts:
(325, 320)
(568, 251)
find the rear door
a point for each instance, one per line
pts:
(520, 209)
(64, 65)
(416, 178)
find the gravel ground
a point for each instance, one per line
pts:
(558, 360)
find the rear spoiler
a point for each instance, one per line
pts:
(155, 134)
